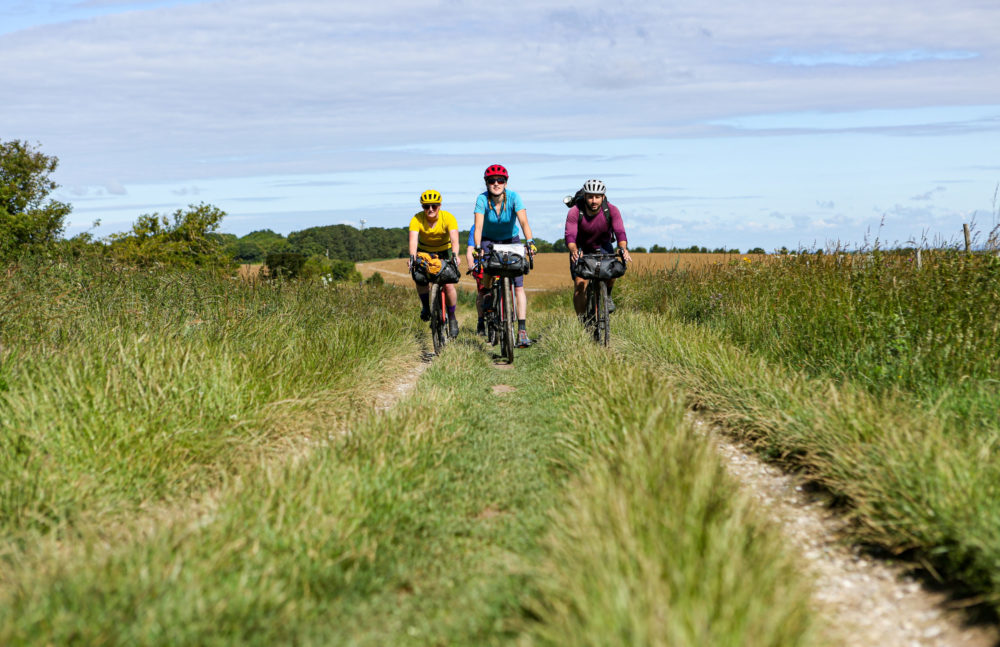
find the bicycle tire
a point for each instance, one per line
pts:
(509, 318)
(601, 328)
(438, 322)
(501, 306)
(492, 327)
(589, 320)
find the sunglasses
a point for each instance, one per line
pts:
(430, 207)
(496, 180)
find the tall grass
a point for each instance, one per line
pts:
(652, 542)
(453, 518)
(878, 378)
(874, 319)
(122, 388)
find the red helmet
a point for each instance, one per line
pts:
(495, 169)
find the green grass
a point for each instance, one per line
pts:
(877, 379)
(653, 544)
(121, 389)
(553, 513)
(874, 319)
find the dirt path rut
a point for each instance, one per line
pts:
(867, 601)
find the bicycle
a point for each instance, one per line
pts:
(504, 263)
(598, 269)
(438, 303)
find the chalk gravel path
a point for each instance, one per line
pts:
(867, 602)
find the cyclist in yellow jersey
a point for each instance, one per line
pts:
(434, 232)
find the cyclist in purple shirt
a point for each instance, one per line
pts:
(589, 230)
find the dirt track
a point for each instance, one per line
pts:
(552, 270)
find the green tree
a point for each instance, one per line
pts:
(185, 239)
(657, 249)
(27, 221)
(544, 246)
(347, 243)
(246, 251)
(286, 264)
(560, 246)
(268, 240)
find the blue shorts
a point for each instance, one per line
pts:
(487, 245)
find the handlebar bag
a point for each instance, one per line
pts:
(507, 260)
(604, 267)
(449, 273)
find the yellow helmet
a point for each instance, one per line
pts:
(430, 197)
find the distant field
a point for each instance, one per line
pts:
(552, 270)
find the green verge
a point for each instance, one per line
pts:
(876, 374)
(573, 506)
(912, 478)
(652, 543)
(125, 389)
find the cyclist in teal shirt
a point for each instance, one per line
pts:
(498, 213)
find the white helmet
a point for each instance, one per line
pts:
(594, 187)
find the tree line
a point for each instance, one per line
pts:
(31, 221)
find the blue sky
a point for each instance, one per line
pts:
(716, 123)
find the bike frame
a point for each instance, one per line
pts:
(501, 321)
(596, 318)
(439, 314)
(439, 317)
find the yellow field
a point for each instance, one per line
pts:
(552, 270)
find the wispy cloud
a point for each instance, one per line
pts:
(928, 195)
(868, 59)
(261, 87)
(295, 96)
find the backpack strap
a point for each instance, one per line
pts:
(607, 215)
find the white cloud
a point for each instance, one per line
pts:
(929, 195)
(868, 59)
(161, 91)
(269, 82)
(114, 187)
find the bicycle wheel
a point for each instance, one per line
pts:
(601, 327)
(509, 319)
(438, 333)
(492, 320)
(589, 318)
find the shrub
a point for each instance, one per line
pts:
(319, 266)
(284, 264)
(185, 240)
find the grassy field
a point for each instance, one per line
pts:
(220, 477)
(876, 377)
(191, 459)
(551, 271)
(119, 390)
